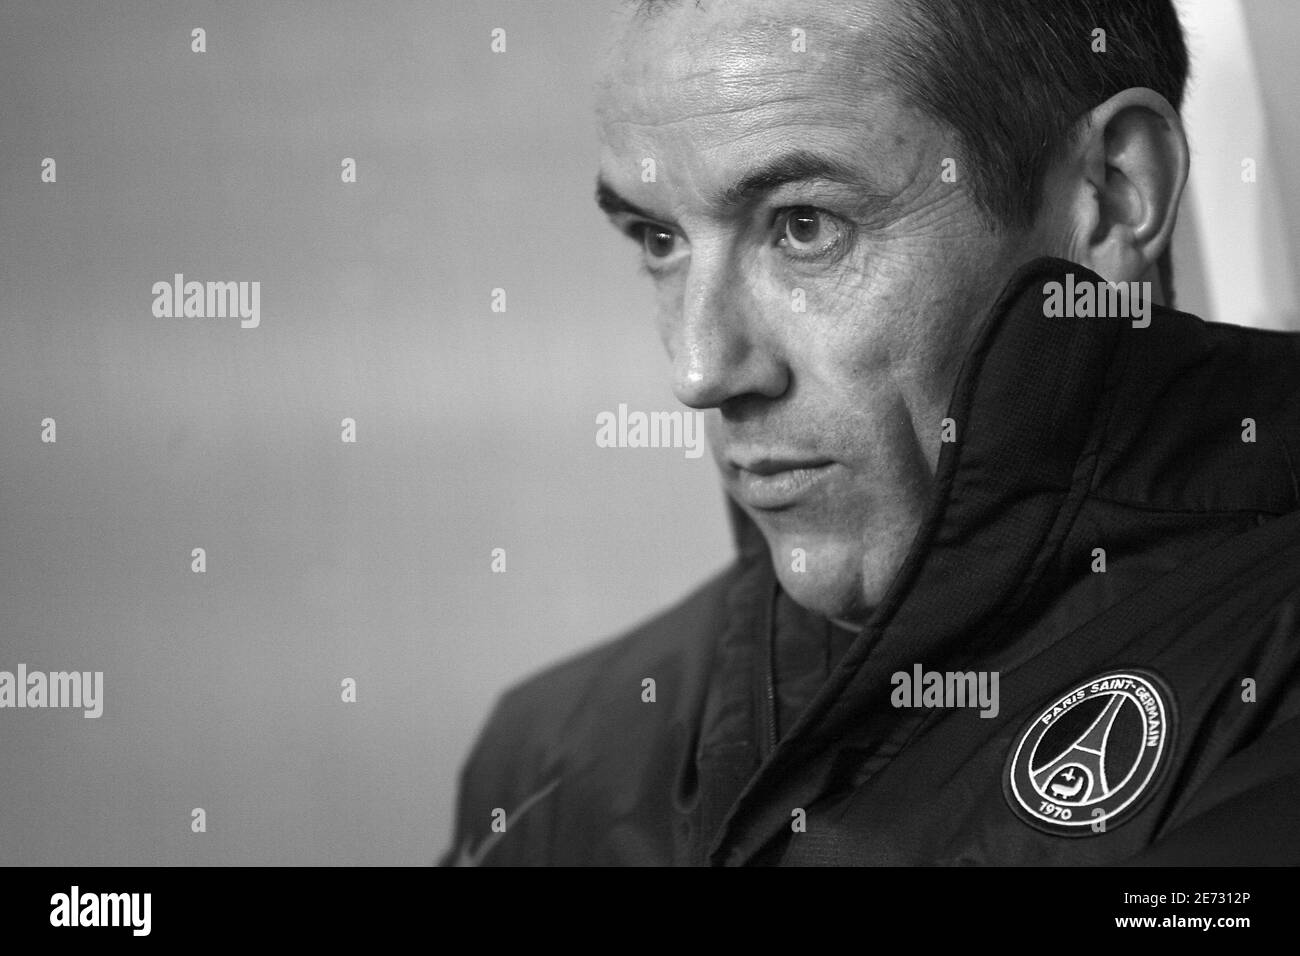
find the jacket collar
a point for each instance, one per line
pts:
(1024, 407)
(1030, 406)
(1049, 411)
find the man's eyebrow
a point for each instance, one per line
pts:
(609, 200)
(793, 167)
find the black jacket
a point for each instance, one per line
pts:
(1149, 712)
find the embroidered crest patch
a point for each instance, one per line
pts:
(1090, 759)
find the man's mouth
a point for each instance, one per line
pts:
(771, 484)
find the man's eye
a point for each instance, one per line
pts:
(657, 241)
(809, 233)
(660, 246)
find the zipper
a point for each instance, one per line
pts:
(771, 669)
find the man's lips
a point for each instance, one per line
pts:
(773, 483)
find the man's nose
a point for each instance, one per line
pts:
(723, 349)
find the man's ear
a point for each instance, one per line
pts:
(1119, 183)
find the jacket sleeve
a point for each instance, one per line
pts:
(1247, 813)
(506, 800)
(478, 778)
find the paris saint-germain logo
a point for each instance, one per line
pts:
(1090, 759)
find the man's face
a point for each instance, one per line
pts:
(818, 281)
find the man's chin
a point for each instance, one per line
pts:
(832, 593)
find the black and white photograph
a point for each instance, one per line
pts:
(649, 433)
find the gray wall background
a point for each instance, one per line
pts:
(325, 560)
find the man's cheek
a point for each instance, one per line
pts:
(668, 311)
(859, 329)
(937, 319)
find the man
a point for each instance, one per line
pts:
(1017, 558)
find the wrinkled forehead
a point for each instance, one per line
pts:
(730, 56)
(713, 94)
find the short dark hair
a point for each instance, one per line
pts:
(1014, 77)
